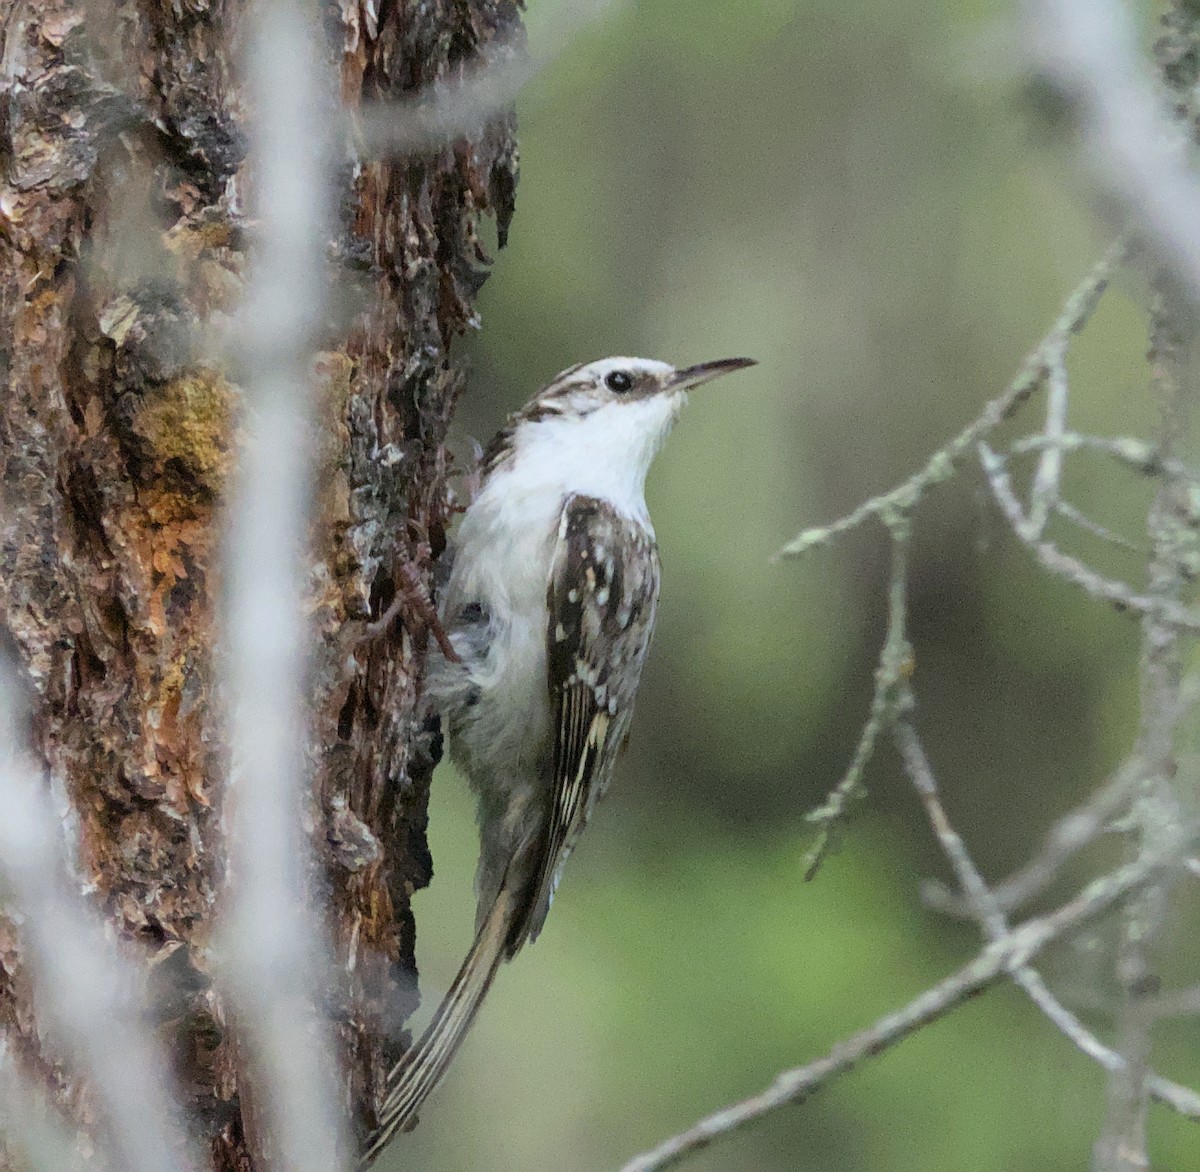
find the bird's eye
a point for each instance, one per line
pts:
(619, 381)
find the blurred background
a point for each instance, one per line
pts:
(858, 195)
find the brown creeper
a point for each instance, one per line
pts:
(550, 608)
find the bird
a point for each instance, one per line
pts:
(548, 610)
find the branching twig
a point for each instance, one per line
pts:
(987, 913)
(1069, 835)
(1088, 51)
(1137, 454)
(942, 465)
(1071, 569)
(998, 960)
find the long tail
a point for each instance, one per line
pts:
(417, 1074)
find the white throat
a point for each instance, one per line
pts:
(605, 454)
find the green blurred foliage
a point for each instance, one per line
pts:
(852, 194)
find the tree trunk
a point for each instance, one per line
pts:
(124, 251)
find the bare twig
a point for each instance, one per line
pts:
(987, 913)
(274, 959)
(1077, 517)
(895, 664)
(1071, 569)
(997, 960)
(88, 997)
(894, 509)
(1044, 494)
(1137, 454)
(1069, 835)
(942, 465)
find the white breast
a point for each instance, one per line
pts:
(505, 551)
(503, 563)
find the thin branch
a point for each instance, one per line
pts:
(997, 960)
(1069, 835)
(943, 464)
(1137, 454)
(1071, 569)
(895, 664)
(273, 951)
(987, 913)
(87, 995)
(1044, 494)
(1070, 513)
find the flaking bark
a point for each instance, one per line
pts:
(121, 266)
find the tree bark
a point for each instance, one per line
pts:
(124, 248)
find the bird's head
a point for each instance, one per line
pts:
(623, 406)
(602, 421)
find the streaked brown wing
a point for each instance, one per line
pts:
(602, 596)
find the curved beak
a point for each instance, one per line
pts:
(695, 376)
